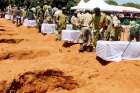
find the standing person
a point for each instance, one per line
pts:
(61, 22)
(39, 19)
(80, 16)
(0, 13)
(48, 15)
(38, 8)
(30, 14)
(99, 23)
(75, 22)
(9, 11)
(18, 16)
(134, 30)
(85, 37)
(13, 13)
(116, 31)
(24, 13)
(109, 27)
(45, 7)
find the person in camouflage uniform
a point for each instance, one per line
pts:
(18, 16)
(30, 14)
(61, 22)
(116, 29)
(48, 15)
(109, 27)
(134, 31)
(85, 37)
(99, 23)
(24, 14)
(38, 8)
(45, 7)
(14, 13)
(39, 18)
(75, 22)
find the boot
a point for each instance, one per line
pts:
(82, 48)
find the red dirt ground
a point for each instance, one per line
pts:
(24, 50)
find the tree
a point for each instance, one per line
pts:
(58, 3)
(129, 4)
(111, 2)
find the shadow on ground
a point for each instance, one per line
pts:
(103, 62)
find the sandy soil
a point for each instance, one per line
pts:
(24, 50)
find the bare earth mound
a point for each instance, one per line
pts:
(40, 82)
(33, 63)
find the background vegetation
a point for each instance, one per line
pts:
(58, 3)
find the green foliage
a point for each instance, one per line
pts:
(111, 2)
(58, 3)
(132, 5)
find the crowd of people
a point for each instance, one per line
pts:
(94, 25)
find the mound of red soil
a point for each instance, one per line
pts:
(40, 82)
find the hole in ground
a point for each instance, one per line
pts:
(41, 82)
(11, 41)
(24, 54)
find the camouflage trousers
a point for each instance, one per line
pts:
(85, 36)
(89, 37)
(113, 33)
(18, 20)
(86, 40)
(134, 33)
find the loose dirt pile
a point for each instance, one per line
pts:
(39, 82)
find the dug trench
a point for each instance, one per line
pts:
(11, 41)
(39, 82)
(23, 54)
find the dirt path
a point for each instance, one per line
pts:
(24, 50)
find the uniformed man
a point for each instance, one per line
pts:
(45, 7)
(40, 19)
(48, 15)
(61, 22)
(30, 14)
(80, 16)
(116, 29)
(134, 30)
(99, 23)
(38, 8)
(24, 14)
(18, 16)
(85, 37)
(14, 13)
(109, 27)
(75, 22)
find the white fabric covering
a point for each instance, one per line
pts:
(91, 4)
(48, 28)
(51, 28)
(80, 4)
(71, 35)
(118, 50)
(8, 17)
(69, 27)
(29, 23)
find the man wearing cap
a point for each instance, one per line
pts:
(99, 24)
(85, 37)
